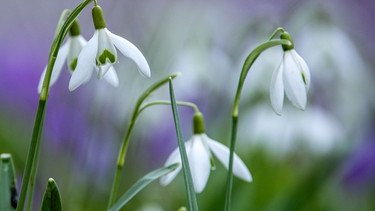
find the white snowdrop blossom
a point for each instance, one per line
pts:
(293, 76)
(69, 52)
(199, 148)
(100, 54)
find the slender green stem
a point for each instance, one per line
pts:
(230, 176)
(125, 142)
(33, 176)
(274, 33)
(246, 67)
(165, 102)
(34, 147)
(65, 13)
(56, 46)
(189, 186)
(33, 153)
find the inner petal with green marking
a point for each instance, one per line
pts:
(73, 64)
(106, 56)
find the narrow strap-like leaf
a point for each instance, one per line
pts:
(142, 183)
(192, 199)
(51, 198)
(8, 188)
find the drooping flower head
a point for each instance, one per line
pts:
(293, 76)
(69, 52)
(100, 54)
(199, 149)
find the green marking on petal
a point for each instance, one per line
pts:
(212, 163)
(102, 59)
(73, 64)
(304, 78)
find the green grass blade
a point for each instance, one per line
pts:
(192, 199)
(142, 183)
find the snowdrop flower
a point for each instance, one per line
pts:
(293, 76)
(69, 52)
(199, 149)
(100, 54)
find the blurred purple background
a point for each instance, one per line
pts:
(208, 42)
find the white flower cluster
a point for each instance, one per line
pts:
(98, 53)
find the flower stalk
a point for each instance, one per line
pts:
(33, 153)
(124, 144)
(245, 69)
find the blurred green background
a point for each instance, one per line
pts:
(319, 159)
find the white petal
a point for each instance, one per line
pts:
(199, 162)
(277, 89)
(75, 47)
(111, 77)
(102, 70)
(303, 67)
(41, 80)
(174, 157)
(295, 87)
(222, 153)
(59, 63)
(85, 63)
(105, 44)
(129, 50)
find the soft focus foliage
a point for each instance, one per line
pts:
(317, 159)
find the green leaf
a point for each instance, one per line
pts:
(8, 188)
(142, 183)
(192, 199)
(51, 198)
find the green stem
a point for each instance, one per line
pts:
(125, 142)
(279, 29)
(56, 46)
(34, 147)
(230, 176)
(246, 67)
(33, 175)
(165, 102)
(33, 153)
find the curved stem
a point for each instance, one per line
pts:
(166, 102)
(33, 153)
(246, 67)
(279, 29)
(125, 142)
